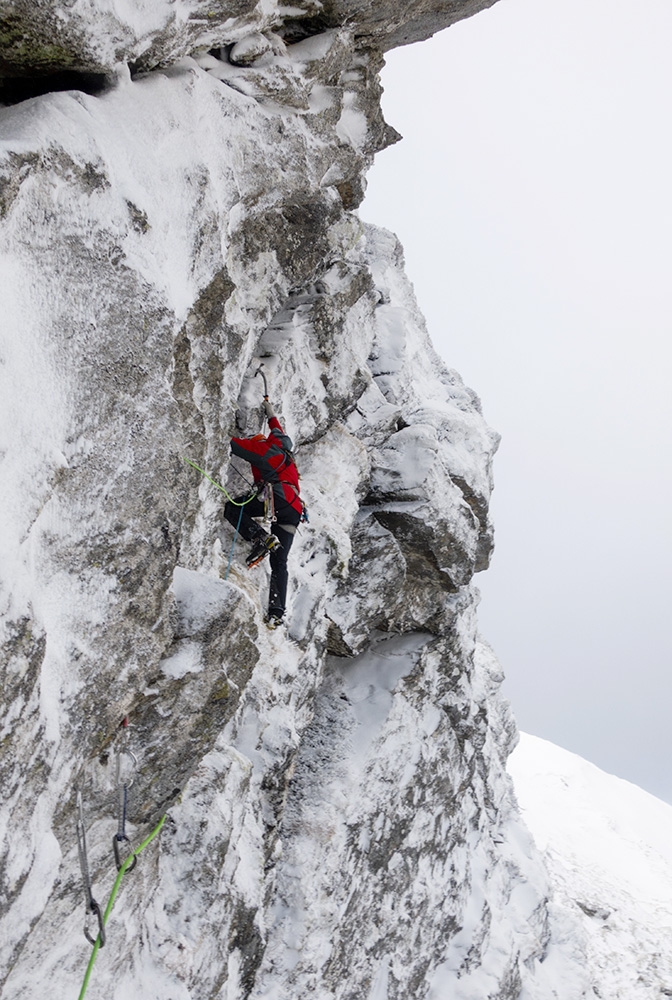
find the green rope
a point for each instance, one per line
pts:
(113, 896)
(236, 503)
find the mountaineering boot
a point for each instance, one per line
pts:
(261, 548)
(256, 553)
(273, 620)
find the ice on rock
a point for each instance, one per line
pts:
(405, 462)
(339, 819)
(249, 50)
(314, 48)
(352, 125)
(201, 601)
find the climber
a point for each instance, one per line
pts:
(273, 464)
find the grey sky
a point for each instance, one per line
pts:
(532, 194)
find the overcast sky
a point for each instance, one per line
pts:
(533, 195)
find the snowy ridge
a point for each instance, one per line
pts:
(607, 846)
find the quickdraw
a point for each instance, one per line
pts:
(127, 763)
(269, 503)
(100, 940)
(126, 767)
(92, 907)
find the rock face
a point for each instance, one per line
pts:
(339, 820)
(95, 36)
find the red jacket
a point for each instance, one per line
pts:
(271, 463)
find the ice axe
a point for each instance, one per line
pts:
(259, 371)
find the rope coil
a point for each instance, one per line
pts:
(236, 503)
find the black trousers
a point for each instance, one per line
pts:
(283, 529)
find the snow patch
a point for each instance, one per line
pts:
(608, 848)
(352, 125)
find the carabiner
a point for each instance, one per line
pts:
(269, 504)
(94, 908)
(127, 781)
(117, 840)
(81, 843)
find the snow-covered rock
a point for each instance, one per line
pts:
(97, 35)
(339, 820)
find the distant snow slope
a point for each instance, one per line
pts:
(608, 848)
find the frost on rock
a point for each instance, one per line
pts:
(339, 822)
(96, 35)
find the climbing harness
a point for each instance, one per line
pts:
(304, 508)
(100, 940)
(236, 503)
(127, 763)
(92, 907)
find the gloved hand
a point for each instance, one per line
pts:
(270, 412)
